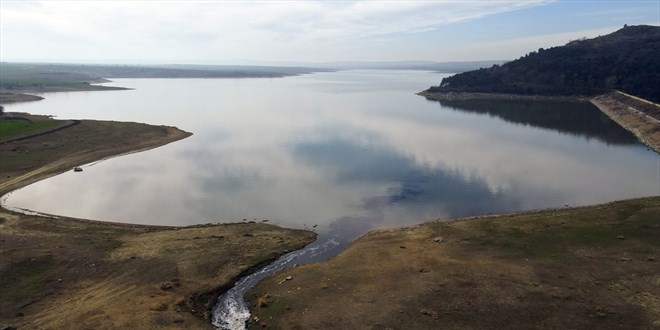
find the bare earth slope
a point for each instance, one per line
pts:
(81, 274)
(638, 116)
(586, 268)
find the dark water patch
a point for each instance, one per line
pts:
(576, 118)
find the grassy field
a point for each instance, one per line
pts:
(64, 273)
(585, 268)
(10, 128)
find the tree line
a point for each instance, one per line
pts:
(626, 60)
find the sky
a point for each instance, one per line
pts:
(242, 32)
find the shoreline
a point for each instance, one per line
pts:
(27, 95)
(627, 115)
(461, 96)
(596, 263)
(141, 276)
(60, 166)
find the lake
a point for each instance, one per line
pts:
(338, 152)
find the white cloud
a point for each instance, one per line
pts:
(220, 29)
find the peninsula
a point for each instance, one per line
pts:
(617, 72)
(58, 271)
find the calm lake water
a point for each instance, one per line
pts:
(346, 151)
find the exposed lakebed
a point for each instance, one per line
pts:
(340, 153)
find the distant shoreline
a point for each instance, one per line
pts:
(27, 95)
(461, 96)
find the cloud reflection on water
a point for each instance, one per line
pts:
(347, 151)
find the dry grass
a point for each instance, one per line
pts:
(586, 268)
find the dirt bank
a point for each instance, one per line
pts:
(585, 268)
(642, 118)
(72, 273)
(8, 97)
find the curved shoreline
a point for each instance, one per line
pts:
(86, 156)
(171, 275)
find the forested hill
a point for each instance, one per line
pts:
(626, 60)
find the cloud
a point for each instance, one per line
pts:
(221, 29)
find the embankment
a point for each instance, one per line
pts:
(640, 117)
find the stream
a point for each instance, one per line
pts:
(232, 313)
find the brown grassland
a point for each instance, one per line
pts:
(593, 267)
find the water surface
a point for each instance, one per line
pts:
(343, 151)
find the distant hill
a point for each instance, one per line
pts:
(626, 60)
(444, 67)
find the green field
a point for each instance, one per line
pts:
(11, 128)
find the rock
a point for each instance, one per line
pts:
(288, 278)
(402, 246)
(438, 239)
(262, 303)
(650, 259)
(7, 327)
(248, 235)
(621, 237)
(166, 286)
(77, 169)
